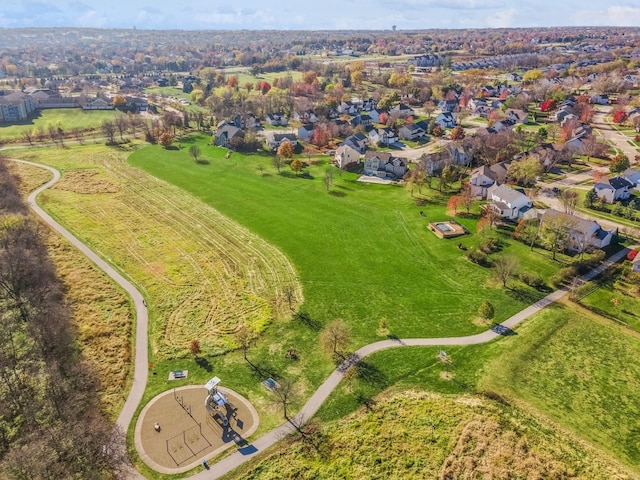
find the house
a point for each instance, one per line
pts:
(504, 124)
(475, 103)
(633, 176)
(364, 120)
(97, 104)
(446, 120)
(562, 112)
(613, 189)
(401, 110)
(509, 203)
(384, 165)
(583, 234)
(382, 136)
(448, 106)
(411, 132)
(277, 138)
(346, 155)
(307, 116)
(276, 119)
(599, 99)
(480, 180)
(348, 108)
(435, 162)
(357, 141)
(225, 133)
(517, 115)
(374, 114)
(305, 132)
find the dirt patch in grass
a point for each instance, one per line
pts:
(86, 182)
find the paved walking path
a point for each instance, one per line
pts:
(141, 350)
(243, 455)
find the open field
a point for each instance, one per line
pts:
(579, 370)
(101, 312)
(205, 275)
(363, 251)
(415, 434)
(67, 118)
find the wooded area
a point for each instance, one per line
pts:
(51, 423)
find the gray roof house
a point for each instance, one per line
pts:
(509, 203)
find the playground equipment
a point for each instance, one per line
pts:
(216, 402)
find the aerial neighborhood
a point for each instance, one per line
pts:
(320, 254)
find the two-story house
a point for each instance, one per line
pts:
(613, 189)
(384, 165)
(509, 203)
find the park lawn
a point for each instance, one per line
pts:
(67, 118)
(578, 369)
(363, 252)
(615, 296)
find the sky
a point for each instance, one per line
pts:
(316, 15)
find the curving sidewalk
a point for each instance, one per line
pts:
(245, 454)
(141, 371)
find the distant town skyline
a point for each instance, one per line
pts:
(327, 15)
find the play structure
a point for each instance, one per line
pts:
(216, 402)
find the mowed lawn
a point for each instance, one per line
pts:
(67, 118)
(363, 251)
(580, 370)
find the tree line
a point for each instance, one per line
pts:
(51, 423)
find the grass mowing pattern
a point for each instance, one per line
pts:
(422, 435)
(580, 370)
(205, 274)
(363, 251)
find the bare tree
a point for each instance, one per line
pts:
(569, 199)
(335, 337)
(505, 267)
(328, 178)
(285, 395)
(109, 130)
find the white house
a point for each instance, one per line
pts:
(510, 203)
(276, 140)
(307, 116)
(384, 165)
(481, 179)
(613, 189)
(446, 120)
(384, 136)
(276, 119)
(583, 234)
(346, 155)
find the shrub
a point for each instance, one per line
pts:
(564, 276)
(586, 264)
(486, 310)
(533, 280)
(477, 257)
(490, 245)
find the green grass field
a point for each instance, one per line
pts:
(363, 251)
(67, 118)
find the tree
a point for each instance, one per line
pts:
(457, 133)
(465, 199)
(119, 101)
(285, 150)
(590, 198)
(194, 347)
(619, 117)
(335, 337)
(548, 105)
(504, 267)
(447, 176)
(121, 124)
(296, 165)
(526, 171)
(619, 163)
(486, 310)
(165, 139)
(277, 162)
(285, 395)
(194, 151)
(555, 233)
(569, 199)
(109, 130)
(328, 178)
(452, 204)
